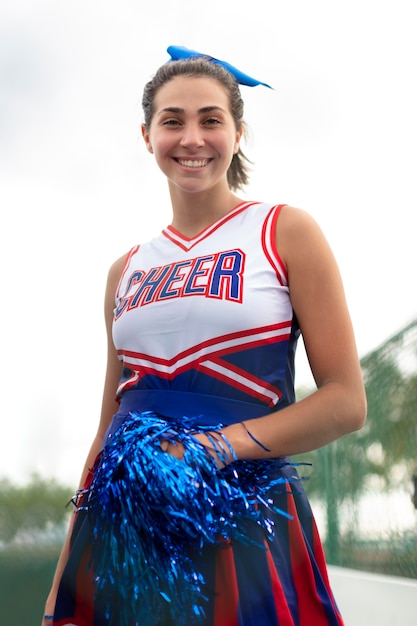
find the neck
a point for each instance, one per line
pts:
(193, 212)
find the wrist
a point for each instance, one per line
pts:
(244, 443)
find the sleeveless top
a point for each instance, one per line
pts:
(209, 314)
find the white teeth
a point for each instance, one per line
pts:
(190, 163)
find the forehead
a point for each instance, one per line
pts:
(190, 92)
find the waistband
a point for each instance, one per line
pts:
(205, 409)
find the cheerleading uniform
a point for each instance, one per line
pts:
(205, 328)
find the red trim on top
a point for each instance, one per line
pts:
(187, 243)
(126, 265)
(269, 244)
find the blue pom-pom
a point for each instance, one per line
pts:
(149, 511)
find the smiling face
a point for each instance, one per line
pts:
(192, 133)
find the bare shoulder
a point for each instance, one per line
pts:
(294, 221)
(298, 235)
(116, 269)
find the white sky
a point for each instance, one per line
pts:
(337, 138)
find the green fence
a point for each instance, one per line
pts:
(33, 522)
(362, 487)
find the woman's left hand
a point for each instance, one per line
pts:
(215, 444)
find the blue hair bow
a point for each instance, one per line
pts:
(180, 52)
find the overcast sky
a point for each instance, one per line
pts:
(337, 137)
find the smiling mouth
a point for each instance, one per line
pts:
(193, 162)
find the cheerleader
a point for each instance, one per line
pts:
(190, 511)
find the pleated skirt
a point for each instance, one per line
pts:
(278, 582)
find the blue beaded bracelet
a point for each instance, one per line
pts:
(48, 617)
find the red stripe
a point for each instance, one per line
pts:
(84, 584)
(281, 605)
(310, 607)
(246, 388)
(227, 594)
(84, 597)
(242, 334)
(321, 562)
(149, 369)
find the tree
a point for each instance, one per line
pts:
(34, 506)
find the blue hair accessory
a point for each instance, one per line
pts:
(180, 52)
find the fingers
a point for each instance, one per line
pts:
(174, 448)
(217, 446)
(214, 443)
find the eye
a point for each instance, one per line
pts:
(171, 122)
(212, 121)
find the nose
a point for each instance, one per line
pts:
(192, 137)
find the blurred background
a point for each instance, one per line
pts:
(336, 137)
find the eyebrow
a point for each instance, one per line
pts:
(207, 109)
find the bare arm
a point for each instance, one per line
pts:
(339, 404)
(108, 409)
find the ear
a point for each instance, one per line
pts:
(146, 138)
(238, 138)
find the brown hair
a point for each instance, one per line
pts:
(237, 174)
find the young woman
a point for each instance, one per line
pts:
(203, 321)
